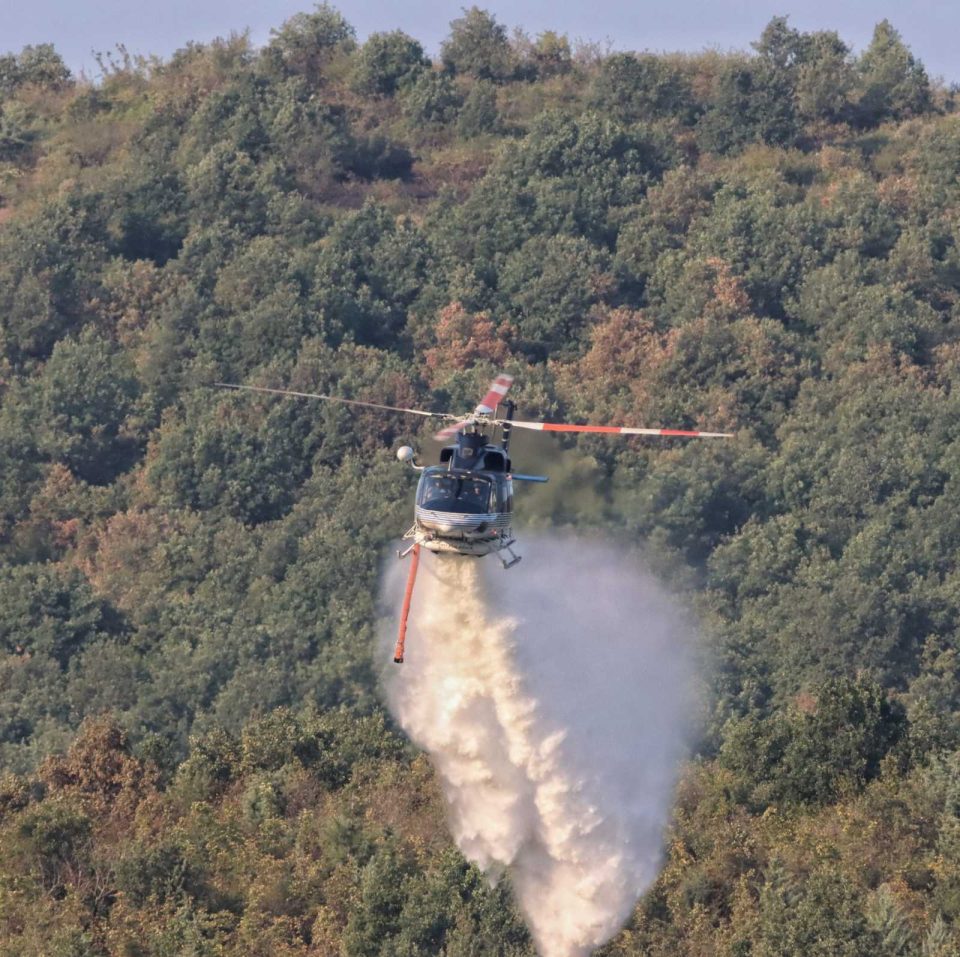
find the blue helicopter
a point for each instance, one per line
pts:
(464, 504)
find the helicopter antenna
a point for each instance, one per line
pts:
(507, 424)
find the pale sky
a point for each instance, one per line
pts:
(78, 27)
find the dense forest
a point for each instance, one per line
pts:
(194, 756)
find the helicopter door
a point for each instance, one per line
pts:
(500, 500)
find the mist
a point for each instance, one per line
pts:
(555, 701)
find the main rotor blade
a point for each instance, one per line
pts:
(498, 389)
(488, 404)
(334, 398)
(613, 430)
(449, 431)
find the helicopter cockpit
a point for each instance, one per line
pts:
(444, 490)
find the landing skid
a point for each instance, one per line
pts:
(441, 546)
(513, 558)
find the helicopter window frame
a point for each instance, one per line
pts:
(462, 500)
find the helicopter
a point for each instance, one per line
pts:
(464, 504)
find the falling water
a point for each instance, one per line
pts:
(554, 700)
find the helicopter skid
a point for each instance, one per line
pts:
(460, 546)
(475, 548)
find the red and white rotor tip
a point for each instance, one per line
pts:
(498, 389)
(618, 430)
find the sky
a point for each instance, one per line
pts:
(79, 27)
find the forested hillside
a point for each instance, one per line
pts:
(194, 757)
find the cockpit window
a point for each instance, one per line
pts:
(455, 492)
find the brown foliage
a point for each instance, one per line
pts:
(464, 339)
(623, 343)
(53, 506)
(722, 367)
(730, 299)
(99, 768)
(122, 567)
(133, 295)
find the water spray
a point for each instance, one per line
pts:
(555, 704)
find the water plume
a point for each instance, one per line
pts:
(554, 700)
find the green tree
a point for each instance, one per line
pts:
(260, 304)
(550, 55)
(766, 238)
(50, 613)
(551, 284)
(431, 100)
(383, 891)
(886, 919)
(386, 61)
(479, 113)
(87, 390)
(758, 100)
(15, 136)
(893, 84)
(50, 619)
(780, 46)
(247, 470)
(307, 42)
(641, 89)
(814, 755)
(938, 941)
(228, 189)
(819, 917)
(38, 65)
(825, 78)
(59, 834)
(569, 176)
(369, 274)
(478, 45)
(49, 265)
